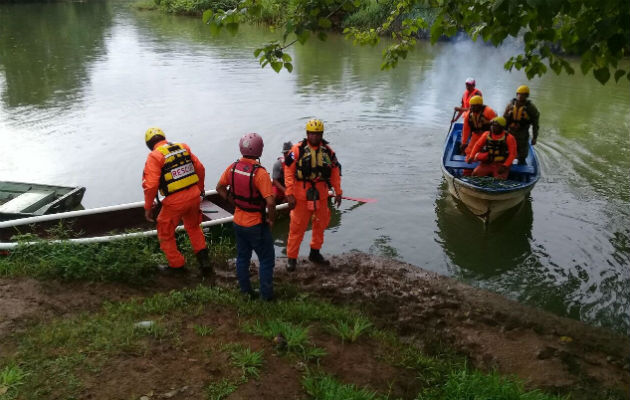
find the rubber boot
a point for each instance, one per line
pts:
(204, 264)
(291, 264)
(316, 257)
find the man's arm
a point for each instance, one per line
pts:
(151, 182)
(535, 115)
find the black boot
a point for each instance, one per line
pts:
(204, 264)
(317, 258)
(291, 264)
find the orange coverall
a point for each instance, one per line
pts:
(480, 123)
(183, 205)
(301, 215)
(467, 95)
(492, 168)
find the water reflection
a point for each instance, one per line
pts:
(46, 59)
(477, 252)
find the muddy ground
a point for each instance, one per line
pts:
(546, 351)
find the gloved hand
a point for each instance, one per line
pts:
(291, 201)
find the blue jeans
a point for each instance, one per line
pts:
(257, 238)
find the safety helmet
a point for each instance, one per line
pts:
(251, 144)
(470, 81)
(499, 120)
(315, 125)
(522, 89)
(153, 132)
(476, 101)
(286, 146)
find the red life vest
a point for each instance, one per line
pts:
(468, 95)
(245, 194)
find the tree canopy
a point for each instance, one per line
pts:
(552, 31)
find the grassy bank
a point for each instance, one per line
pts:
(209, 342)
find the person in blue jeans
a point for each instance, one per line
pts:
(247, 185)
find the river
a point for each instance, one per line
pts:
(80, 82)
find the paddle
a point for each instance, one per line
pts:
(358, 199)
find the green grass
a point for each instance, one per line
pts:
(203, 330)
(474, 385)
(350, 331)
(325, 387)
(248, 361)
(220, 390)
(11, 378)
(132, 261)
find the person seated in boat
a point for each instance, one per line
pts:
(520, 114)
(247, 185)
(496, 149)
(174, 171)
(476, 121)
(278, 174)
(468, 94)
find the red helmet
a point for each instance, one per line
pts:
(251, 144)
(470, 81)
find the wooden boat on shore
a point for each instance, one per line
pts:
(21, 200)
(486, 197)
(105, 223)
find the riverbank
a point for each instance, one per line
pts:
(386, 327)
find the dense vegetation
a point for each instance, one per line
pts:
(551, 32)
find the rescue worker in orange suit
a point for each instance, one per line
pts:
(179, 176)
(468, 94)
(476, 121)
(520, 114)
(247, 185)
(495, 149)
(278, 174)
(311, 169)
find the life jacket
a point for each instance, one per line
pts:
(314, 165)
(178, 171)
(497, 148)
(468, 95)
(478, 122)
(518, 116)
(242, 188)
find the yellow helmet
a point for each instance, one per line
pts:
(315, 125)
(153, 132)
(500, 120)
(522, 89)
(476, 100)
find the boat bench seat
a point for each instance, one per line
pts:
(459, 161)
(522, 169)
(27, 202)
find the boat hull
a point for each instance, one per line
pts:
(486, 202)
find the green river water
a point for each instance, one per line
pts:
(80, 82)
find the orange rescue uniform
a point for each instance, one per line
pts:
(262, 181)
(468, 94)
(183, 205)
(301, 215)
(475, 124)
(492, 168)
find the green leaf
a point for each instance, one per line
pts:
(286, 57)
(303, 36)
(436, 30)
(277, 66)
(207, 16)
(257, 52)
(324, 23)
(288, 66)
(232, 27)
(618, 74)
(602, 74)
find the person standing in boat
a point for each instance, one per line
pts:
(278, 174)
(311, 169)
(468, 94)
(247, 185)
(520, 114)
(476, 121)
(174, 171)
(495, 149)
